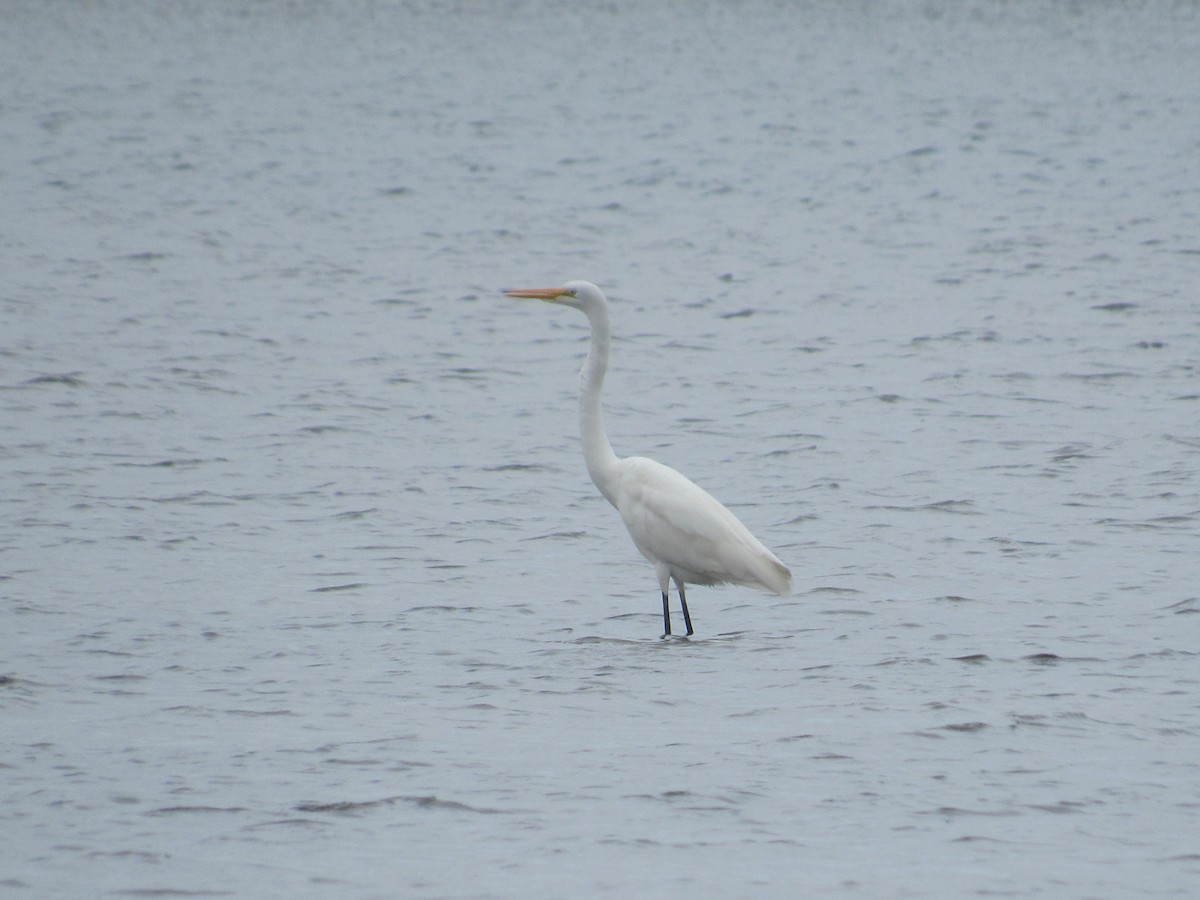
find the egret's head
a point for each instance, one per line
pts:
(578, 294)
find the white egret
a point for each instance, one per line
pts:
(686, 534)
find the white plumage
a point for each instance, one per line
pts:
(687, 535)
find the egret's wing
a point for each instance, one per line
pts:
(675, 521)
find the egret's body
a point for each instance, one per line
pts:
(687, 535)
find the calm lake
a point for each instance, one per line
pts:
(304, 589)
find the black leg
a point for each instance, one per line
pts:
(667, 616)
(687, 617)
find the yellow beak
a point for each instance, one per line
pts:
(538, 293)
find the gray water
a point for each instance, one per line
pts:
(305, 591)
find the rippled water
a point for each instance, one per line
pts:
(305, 589)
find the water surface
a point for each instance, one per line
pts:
(305, 589)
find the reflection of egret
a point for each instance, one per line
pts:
(681, 528)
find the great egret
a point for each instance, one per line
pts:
(683, 530)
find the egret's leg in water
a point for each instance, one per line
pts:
(687, 617)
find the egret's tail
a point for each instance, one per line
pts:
(777, 577)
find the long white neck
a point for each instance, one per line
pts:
(597, 451)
